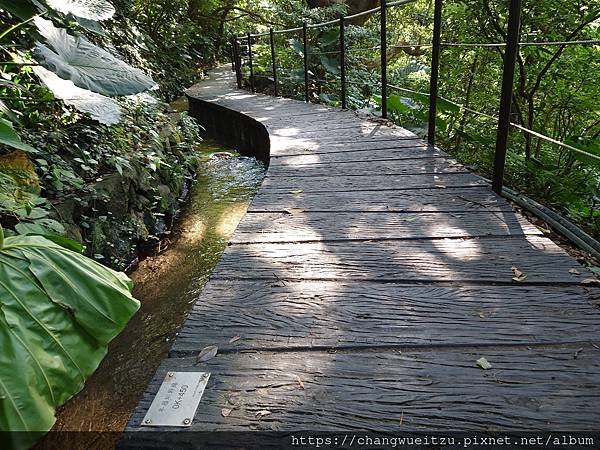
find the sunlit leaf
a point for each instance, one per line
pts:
(86, 65)
(99, 107)
(87, 9)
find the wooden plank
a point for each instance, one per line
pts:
(296, 225)
(360, 131)
(267, 315)
(478, 260)
(421, 200)
(370, 183)
(526, 390)
(291, 153)
(361, 168)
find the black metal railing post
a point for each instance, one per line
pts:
(383, 30)
(273, 61)
(232, 54)
(343, 61)
(250, 62)
(510, 59)
(238, 62)
(304, 40)
(435, 70)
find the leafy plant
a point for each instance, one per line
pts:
(58, 312)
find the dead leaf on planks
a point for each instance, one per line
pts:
(234, 339)
(294, 211)
(225, 412)
(518, 275)
(300, 382)
(262, 413)
(207, 353)
(591, 282)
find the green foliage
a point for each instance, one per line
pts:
(553, 93)
(59, 310)
(87, 65)
(9, 137)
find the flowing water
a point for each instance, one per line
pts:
(167, 284)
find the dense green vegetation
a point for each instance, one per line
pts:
(93, 160)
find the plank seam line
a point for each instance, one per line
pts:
(356, 175)
(266, 190)
(353, 161)
(386, 239)
(408, 147)
(387, 211)
(522, 345)
(450, 283)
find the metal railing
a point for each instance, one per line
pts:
(510, 46)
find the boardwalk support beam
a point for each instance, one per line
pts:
(510, 59)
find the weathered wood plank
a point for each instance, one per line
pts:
(526, 389)
(386, 167)
(369, 183)
(296, 225)
(267, 315)
(486, 260)
(314, 154)
(420, 200)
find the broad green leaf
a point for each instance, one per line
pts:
(87, 65)
(23, 9)
(297, 46)
(99, 107)
(58, 312)
(86, 9)
(330, 37)
(4, 109)
(330, 64)
(9, 137)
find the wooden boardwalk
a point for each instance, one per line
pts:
(369, 275)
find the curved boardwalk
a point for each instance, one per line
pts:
(368, 276)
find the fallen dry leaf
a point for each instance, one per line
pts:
(295, 210)
(590, 281)
(234, 339)
(296, 191)
(574, 271)
(300, 382)
(518, 275)
(226, 411)
(207, 353)
(263, 413)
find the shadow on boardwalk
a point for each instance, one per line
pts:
(369, 275)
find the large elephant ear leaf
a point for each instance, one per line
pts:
(87, 65)
(58, 312)
(87, 9)
(99, 107)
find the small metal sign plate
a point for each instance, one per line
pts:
(177, 399)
